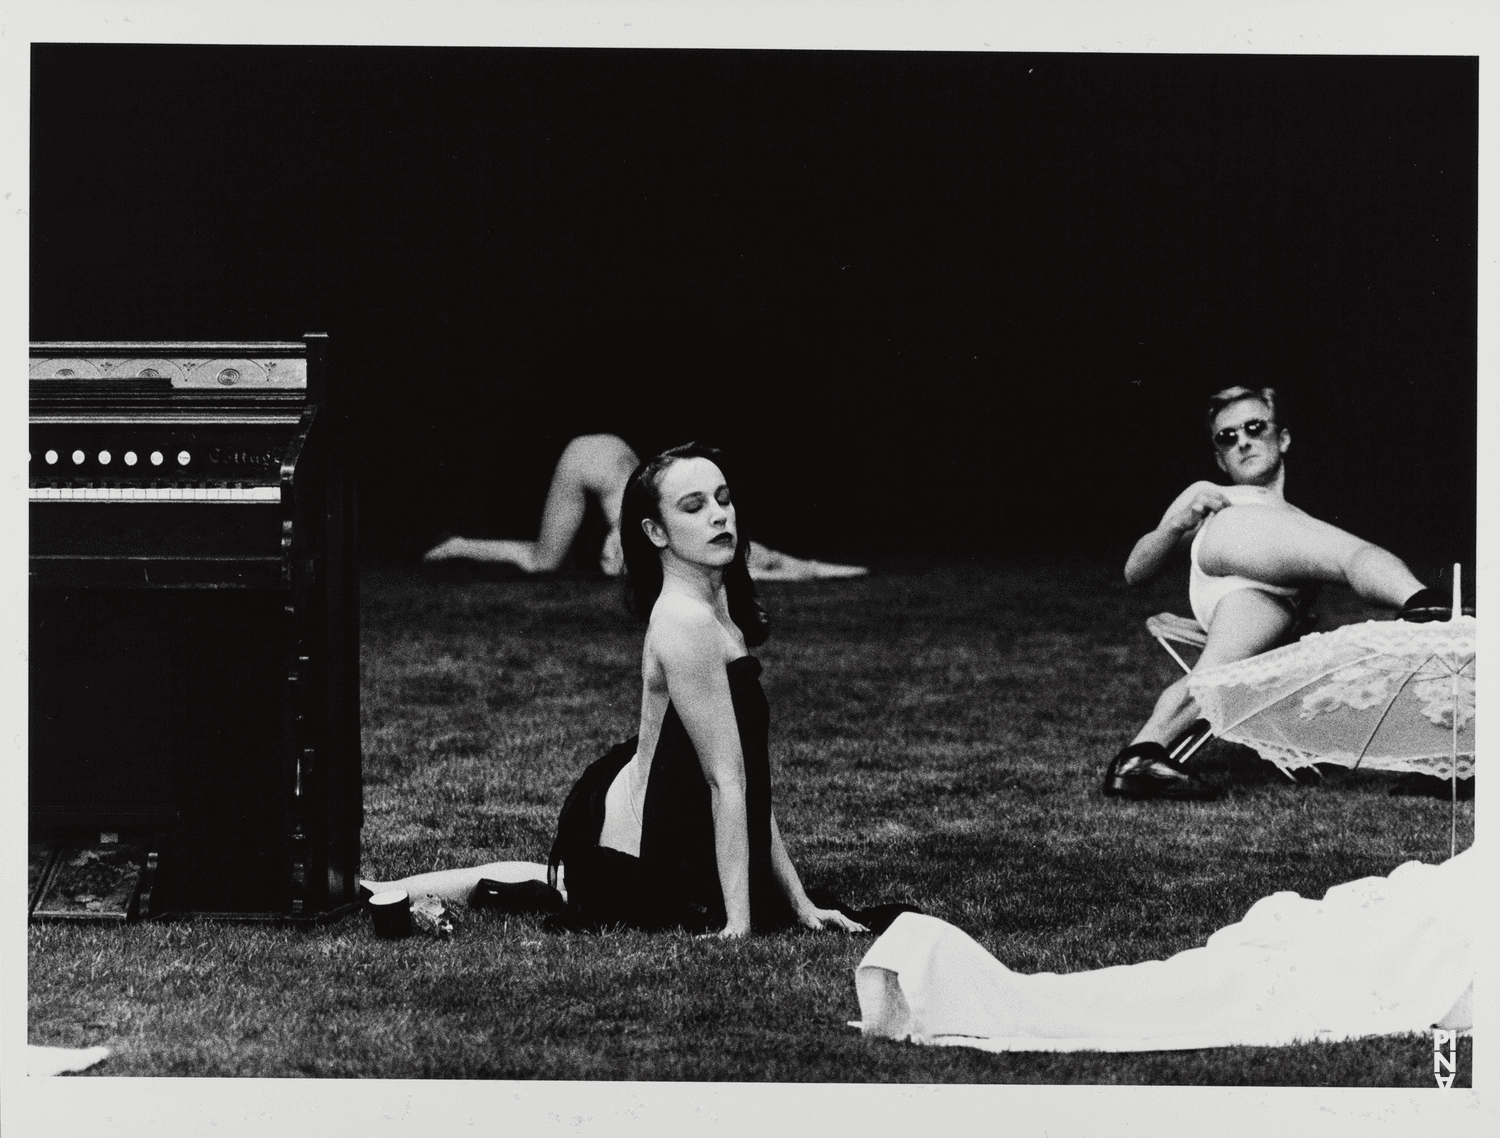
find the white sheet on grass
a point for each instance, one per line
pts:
(62, 1060)
(1377, 956)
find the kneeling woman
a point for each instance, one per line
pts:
(675, 827)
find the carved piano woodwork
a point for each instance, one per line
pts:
(193, 632)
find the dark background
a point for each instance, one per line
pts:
(937, 305)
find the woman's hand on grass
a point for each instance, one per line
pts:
(811, 917)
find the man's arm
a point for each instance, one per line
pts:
(1176, 528)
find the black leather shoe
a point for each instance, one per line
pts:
(1142, 770)
(1428, 605)
(516, 897)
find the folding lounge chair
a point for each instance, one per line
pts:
(1169, 629)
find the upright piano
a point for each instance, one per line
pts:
(194, 670)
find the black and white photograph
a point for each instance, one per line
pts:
(570, 565)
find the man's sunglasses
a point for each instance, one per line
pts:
(1253, 428)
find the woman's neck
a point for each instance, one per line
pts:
(702, 582)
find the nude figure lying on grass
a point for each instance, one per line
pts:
(598, 466)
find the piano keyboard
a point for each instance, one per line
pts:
(155, 493)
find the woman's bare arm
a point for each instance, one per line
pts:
(808, 914)
(688, 642)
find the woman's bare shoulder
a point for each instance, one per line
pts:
(682, 626)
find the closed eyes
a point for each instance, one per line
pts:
(692, 503)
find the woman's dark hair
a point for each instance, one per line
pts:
(642, 578)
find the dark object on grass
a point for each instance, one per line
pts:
(876, 918)
(84, 880)
(1429, 605)
(1144, 770)
(516, 897)
(1430, 786)
(390, 914)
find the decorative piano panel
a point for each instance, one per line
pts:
(194, 642)
(262, 373)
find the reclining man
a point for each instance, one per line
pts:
(1255, 562)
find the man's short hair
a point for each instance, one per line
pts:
(1221, 399)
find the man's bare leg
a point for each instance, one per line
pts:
(1245, 623)
(1286, 547)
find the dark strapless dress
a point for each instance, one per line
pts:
(675, 881)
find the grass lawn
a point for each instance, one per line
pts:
(937, 736)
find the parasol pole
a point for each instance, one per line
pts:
(1453, 774)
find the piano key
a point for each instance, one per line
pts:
(156, 494)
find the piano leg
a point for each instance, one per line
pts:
(141, 908)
